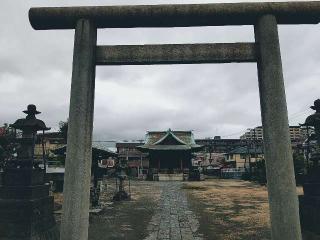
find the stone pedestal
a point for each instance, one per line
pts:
(310, 213)
(310, 203)
(26, 209)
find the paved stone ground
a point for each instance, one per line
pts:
(173, 219)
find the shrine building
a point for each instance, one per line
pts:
(170, 152)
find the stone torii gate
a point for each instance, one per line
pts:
(265, 51)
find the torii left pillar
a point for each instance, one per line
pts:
(75, 217)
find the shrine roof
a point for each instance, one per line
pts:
(96, 152)
(169, 140)
(245, 150)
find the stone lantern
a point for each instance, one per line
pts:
(314, 121)
(26, 209)
(310, 201)
(29, 127)
(121, 175)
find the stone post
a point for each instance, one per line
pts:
(75, 218)
(284, 212)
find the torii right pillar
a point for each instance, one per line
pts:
(283, 200)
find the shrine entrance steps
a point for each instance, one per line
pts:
(169, 177)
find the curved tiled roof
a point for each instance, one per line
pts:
(170, 140)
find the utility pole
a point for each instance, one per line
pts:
(249, 143)
(141, 166)
(308, 147)
(255, 144)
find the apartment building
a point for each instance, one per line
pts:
(296, 133)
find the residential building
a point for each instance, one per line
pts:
(127, 151)
(215, 148)
(219, 145)
(242, 157)
(296, 133)
(48, 142)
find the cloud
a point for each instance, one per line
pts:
(35, 67)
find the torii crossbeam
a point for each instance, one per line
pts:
(265, 51)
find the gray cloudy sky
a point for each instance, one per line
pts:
(35, 67)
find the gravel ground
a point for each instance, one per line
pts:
(208, 210)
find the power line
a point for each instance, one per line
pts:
(299, 115)
(236, 133)
(290, 117)
(302, 111)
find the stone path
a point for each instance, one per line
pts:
(173, 219)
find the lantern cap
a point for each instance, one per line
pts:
(316, 105)
(31, 109)
(30, 122)
(314, 119)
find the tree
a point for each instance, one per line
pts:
(4, 146)
(7, 151)
(2, 152)
(63, 129)
(299, 166)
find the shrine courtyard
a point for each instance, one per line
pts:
(212, 209)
